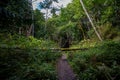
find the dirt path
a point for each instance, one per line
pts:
(64, 70)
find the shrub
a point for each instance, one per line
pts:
(110, 53)
(27, 64)
(100, 63)
(23, 42)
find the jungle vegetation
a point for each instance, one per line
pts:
(27, 37)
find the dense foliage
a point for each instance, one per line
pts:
(26, 57)
(39, 23)
(15, 15)
(100, 63)
(27, 64)
(18, 41)
(101, 12)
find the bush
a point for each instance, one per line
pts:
(110, 53)
(23, 42)
(27, 64)
(100, 63)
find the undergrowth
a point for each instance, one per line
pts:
(24, 58)
(8, 40)
(98, 63)
(26, 64)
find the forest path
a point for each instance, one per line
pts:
(64, 70)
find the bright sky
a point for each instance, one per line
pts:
(61, 2)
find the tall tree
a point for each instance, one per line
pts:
(17, 14)
(90, 20)
(46, 4)
(39, 22)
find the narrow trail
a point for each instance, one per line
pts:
(64, 70)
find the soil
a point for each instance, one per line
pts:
(64, 70)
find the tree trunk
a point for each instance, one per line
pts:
(82, 32)
(29, 31)
(20, 30)
(32, 29)
(33, 22)
(98, 35)
(46, 18)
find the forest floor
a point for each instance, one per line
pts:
(64, 70)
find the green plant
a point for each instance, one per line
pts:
(99, 63)
(27, 64)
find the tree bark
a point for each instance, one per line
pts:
(98, 35)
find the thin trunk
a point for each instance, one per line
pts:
(33, 30)
(46, 18)
(20, 30)
(82, 32)
(29, 31)
(98, 35)
(32, 22)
